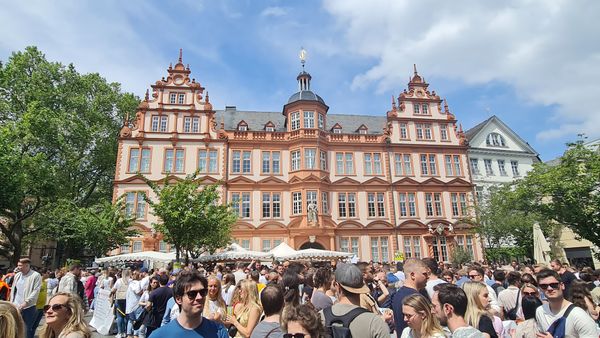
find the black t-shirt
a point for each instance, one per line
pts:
(159, 299)
(567, 278)
(487, 326)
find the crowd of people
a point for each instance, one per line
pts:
(418, 298)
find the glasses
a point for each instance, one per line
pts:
(552, 285)
(294, 335)
(192, 294)
(54, 307)
(530, 293)
(473, 276)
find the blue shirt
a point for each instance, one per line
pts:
(397, 307)
(462, 280)
(207, 329)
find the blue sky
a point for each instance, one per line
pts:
(533, 63)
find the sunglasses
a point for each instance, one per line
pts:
(473, 276)
(54, 307)
(192, 294)
(294, 335)
(530, 293)
(552, 285)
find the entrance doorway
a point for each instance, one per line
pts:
(313, 245)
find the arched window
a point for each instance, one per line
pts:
(495, 140)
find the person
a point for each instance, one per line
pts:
(509, 298)
(64, 317)
(450, 306)
(498, 282)
(448, 276)
(581, 297)
(434, 272)
(239, 274)
(144, 301)
(68, 283)
(577, 323)
(157, 303)
(421, 323)
(132, 302)
(272, 300)
(246, 313)
(215, 307)
(291, 287)
(255, 276)
(416, 275)
(566, 276)
(25, 292)
(144, 278)
(11, 322)
(349, 285)
(382, 292)
(477, 304)
(89, 286)
(476, 274)
(42, 298)
(528, 328)
(322, 282)
(302, 321)
(189, 290)
(228, 288)
(119, 291)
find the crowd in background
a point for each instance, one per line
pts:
(417, 298)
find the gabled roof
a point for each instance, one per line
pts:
(475, 131)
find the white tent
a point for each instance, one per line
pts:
(283, 251)
(235, 253)
(152, 256)
(541, 248)
(316, 254)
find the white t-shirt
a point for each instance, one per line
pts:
(579, 323)
(431, 284)
(132, 298)
(20, 294)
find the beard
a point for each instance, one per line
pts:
(443, 320)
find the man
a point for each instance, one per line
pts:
(239, 273)
(434, 279)
(416, 275)
(578, 322)
(254, 275)
(476, 275)
(509, 298)
(498, 282)
(190, 292)
(449, 306)
(157, 302)
(400, 271)
(462, 276)
(566, 276)
(271, 299)
(68, 283)
(132, 300)
(25, 292)
(349, 286)
(144, 278)
(382, 291)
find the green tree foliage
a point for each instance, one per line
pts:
(460, 256)
(58, 142)
(192, 218)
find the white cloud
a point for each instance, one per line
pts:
(549, 51)
(274, 11)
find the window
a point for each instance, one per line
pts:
(246, 162)
(244, 243)
(311, 197)
(488, 167)
(440, 250)
(309, 119)
(323, 160)
(453, 165)
(271, 162)
(372, 163)
(444, 132)
(515, 168)
(419, 127)
(495, 140)
(242, 127)
(125, 248)
(402, 164)
(412, 247)
(136, 164)
(207, 161)
(137, 246)
(466, 242)
(191, 125)
(346, 205)
(159, 123)
(295, 121)
(408, 207)
(270, 128)
(416, 109)
(309, 158)
(376, 204)
(241, 161)
(266, 162)
(295, 160)
(501, 168)
(459, 204)
(181, 98)
(155, 121)
(173, 98)
(403, 131)
(425, 108)
(296, 203)
(241, 204)
(424, 131)
(325, 203)
(433, 204)
(362, 131)
(379, 249)
(174, 161)
(271, 205)
(268, 244)
(349, 244)
(479, 194)
(321, 121)
(474, 166)
(135, 205)
(337, 130)
(162, 246)
(344, 163)
(428, 166)
(163, 123)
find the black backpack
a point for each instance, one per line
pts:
(339, 326)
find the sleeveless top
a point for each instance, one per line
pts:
(243, 318)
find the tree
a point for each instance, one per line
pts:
(192, 218)
(58, 142)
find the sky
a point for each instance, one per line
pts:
(533, 63)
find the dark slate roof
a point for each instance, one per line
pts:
(473, 131)
(257, 120)
(305, 95)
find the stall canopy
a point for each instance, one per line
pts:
(235, 253)
(152, 256)
(283, 252)
(316, 254)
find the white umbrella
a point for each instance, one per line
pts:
(541, 248)
(235, 253)
(316, 254)
(283, 251)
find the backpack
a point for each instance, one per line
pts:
(339, 326)
(557, 329)
(512, 313)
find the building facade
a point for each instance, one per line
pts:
(371, 185)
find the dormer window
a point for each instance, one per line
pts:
(362, 129)
(271, 129)
(269, 126)
(337, 130)
(242, 126)
(495, 140)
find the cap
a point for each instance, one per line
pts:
(144, 270)
(350, 278)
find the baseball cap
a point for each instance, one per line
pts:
(144, 270)
(350, 278)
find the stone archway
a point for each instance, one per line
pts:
(313, 245)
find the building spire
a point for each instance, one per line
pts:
(303, 55)
(180, 55)
(415, 68)
(394, 104)
(147, 97)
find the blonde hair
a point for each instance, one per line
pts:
(251, 290)
(430, 325)
(412, 264)
(75, 323)
(220, 301)
(475, 308)
(11, 322)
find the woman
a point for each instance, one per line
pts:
(228, 288)
(291, 290)
(119, 290)
(581, 297)
(477, 304)
(247, 312)
(302, 321)
(322, 281)
(64, 318)
(144, 301)
(11, 322)
(421, 322)
(214, 306)
(528, 328)
(132, 300)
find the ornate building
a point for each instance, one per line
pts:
(372, 185)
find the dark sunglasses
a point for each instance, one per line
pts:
(552, 285)
(192, 294)
(530, 293)
(293, 335)
(54, 307)
(473, 276)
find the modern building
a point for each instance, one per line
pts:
(371, 185)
